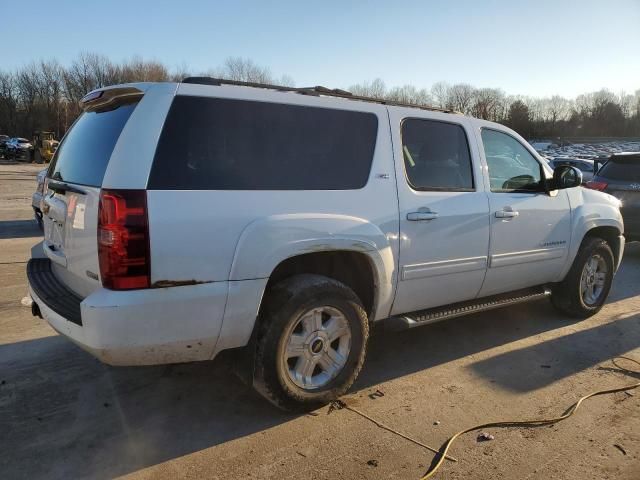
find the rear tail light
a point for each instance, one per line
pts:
(593, 185)
(123, 239)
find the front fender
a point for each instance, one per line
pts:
(268, 241)
(591, 209)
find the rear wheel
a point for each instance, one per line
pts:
(311, 344)
(586, 287)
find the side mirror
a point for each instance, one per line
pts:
(566, 176)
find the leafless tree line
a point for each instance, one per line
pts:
(601, 113)
(44, 96)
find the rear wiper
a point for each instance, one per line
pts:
(62, 187)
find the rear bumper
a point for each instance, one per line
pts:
(136, 327)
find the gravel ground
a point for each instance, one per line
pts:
(64, 415)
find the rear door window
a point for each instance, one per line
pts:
(223, 144)
(616, 170)
(436, 155)
(83, 155)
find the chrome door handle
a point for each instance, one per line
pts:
(421, 216)
(507, 214)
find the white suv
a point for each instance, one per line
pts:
(183, 219)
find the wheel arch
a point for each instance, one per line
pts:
(610, 231)
(611, 235)
(280, 245)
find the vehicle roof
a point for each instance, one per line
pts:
(314, 91)
(625, 156)
(317, 91)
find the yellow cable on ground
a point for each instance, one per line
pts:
(535, 423)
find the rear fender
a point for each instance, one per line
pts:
(268, 241)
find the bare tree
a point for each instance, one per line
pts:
(409, 94)
(440, 94)
(460, 97)
(558, 108)
(8, 102)
(486, 103)
(245, 70)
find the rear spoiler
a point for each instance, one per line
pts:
(105, 99)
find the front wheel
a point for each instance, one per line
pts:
(311, 344)
(585, 288)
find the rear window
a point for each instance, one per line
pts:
(625, 170)
(222, 144)
(83, 155)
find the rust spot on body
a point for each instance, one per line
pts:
(176, 283)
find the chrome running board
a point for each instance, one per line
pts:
(432, 315)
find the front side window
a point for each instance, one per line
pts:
(512, 168)
(436, 155)
(224, 144)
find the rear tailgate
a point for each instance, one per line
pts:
(74, 179)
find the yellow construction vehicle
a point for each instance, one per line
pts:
(44, 146)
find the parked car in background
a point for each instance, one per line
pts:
(289, 221)
(19, 149)
(584, 165)
(36, 198)
(620, 177)
(3, 145)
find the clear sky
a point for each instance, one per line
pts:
(532, 47)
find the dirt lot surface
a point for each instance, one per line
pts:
(64, 415)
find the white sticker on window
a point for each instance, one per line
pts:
(78, 218)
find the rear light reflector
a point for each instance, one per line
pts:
(600, 186)
(123, 239)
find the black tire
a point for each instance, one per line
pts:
(567, 295)
(284, 305)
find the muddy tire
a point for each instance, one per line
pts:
(311, 342)
(585, 288)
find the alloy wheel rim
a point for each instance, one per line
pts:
(316, 347)
(593, 278)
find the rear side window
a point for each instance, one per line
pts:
(83, 155)
(616, 170)
(436, 155)
(222, 144)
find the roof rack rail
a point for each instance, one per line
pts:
(317, 91)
